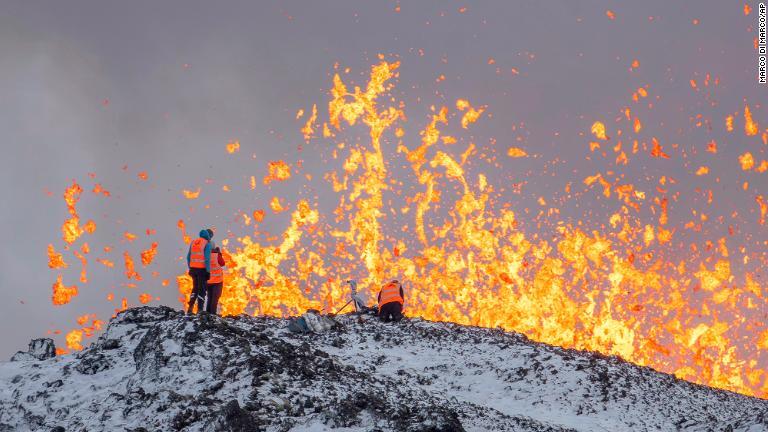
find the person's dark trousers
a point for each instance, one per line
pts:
(199, 285)
(214, 293)
(392, 311)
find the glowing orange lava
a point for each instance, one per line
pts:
(62, 294)
(605, 291)
(430, 210)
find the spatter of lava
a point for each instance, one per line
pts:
(625, 285)
(466, 260)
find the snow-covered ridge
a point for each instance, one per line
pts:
(154, 369)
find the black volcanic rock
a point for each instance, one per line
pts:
(156, 369)
(39, 349)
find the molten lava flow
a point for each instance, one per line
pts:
(63, 294)
(188, 194)
(763, 208)
(610, 286)
(130, 272)
(71, 229)
(84, 268)
(276, 205)
(598, 129)
(71, 196)
(74, 339)
(233, 146)
(148, 255)
(278, 171)
(309, 128)
(516, 152)
(55, 259)
(471, 115)
(639, 274)
(750, 127)
(105, 262)
(747, 161)
(183, 228)
(99, 189)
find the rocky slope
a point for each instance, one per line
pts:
(154, 369)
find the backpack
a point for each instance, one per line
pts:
(298, 325)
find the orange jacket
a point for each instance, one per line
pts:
(217, 273)
(197, 253)
(391, 292)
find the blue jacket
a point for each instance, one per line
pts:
(206, 252)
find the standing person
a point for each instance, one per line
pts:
(216, 281)
(210, 234)
(199, 263)
(391, 300)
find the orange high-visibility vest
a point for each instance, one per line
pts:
(217, 272)
(197, 253)
(390, 293)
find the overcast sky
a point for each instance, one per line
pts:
(162, 86)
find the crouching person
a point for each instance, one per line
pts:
(216, 281)
(391, 302)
